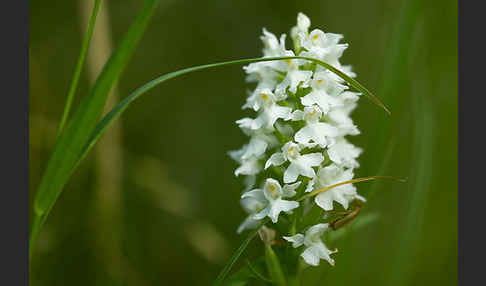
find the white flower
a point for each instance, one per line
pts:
(294, 76)
(249, 182)
(266, 102)
(273, 193)
(256, 147)
(249, 165)
(262, 98)
(272, 47)
(299, 164)
(315, 249)
(339, 116)
(252, 203)
(323, 46)
(266, 76)
(270, 115)
(343, 153)
(329, 176)
(315, 131)
(265, 72)
(303, 24)
(325, 92)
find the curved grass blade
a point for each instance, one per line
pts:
(44, 202)
(316, 192)
(120, 107)
(79, 65)
(70, 144)
(236, 255)
(352, 82)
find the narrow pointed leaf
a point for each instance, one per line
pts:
(70, 144)
(79, 65)
(222, 275)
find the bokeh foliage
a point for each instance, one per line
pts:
(179, 199)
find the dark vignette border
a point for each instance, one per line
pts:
(471, 143)
(14, 22)
(14, 206)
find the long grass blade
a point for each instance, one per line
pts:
(79, 65)
(69, 145)
(352, 82)
(236, 255)
(118, 109)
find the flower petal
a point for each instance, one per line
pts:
(248, 223)
(312, 159)
(256, 193)
(297, 240)
(279, 206)
(291, 174)
(324, 200)
(297, 76)
(289, 190)
(276, 159)
(310, 186)
(311, 256)
(321, 98)
(253, 201)
(263, 213)
(344, 153)
(317, 230)
(324, 253)
(318, 132)
(250, 166)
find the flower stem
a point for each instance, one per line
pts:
(274, 267)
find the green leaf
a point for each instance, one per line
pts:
(70, 144)
(219, 280)
(79, 65)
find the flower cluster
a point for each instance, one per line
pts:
(297, 139)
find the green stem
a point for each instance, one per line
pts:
(79, 65)
(274, 267)
(293, 225)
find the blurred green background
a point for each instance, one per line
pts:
(156, 203)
